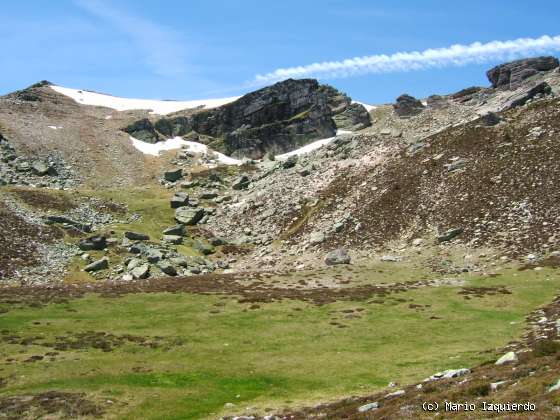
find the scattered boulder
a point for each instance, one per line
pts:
(40, 168)
(316, 238)
(173, 239)
(179, 199)
(490, 119)
(509, 357)
(510, 75)
(203, 248)
(141, 272)
(176, 230)
(494, 386)
(167, 268)
(135, 236)
(98, 265)
(455, 165)
(408, 106)
(139, 248)
(189, 216)
(449, 235)
(368, 407)
(133, 263)
(448, 374)
(290, 162)
(208, 195)
(555, 387)
(93, 243)
(84, 227)
(154, 256)
(338, 256)
(173, 175)
(217, 241)
(390, 258)
(179, 261)
(241, 183)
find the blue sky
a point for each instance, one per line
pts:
(196, 49)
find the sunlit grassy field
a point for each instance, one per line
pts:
(182, 355)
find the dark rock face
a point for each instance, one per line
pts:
(275, 119)
(408, 106)
(143, 130)
(510, 75)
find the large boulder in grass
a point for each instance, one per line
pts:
(93, 243)
(189, 215)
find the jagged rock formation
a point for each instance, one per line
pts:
(510, 75)
(275, 119)
(408, 106)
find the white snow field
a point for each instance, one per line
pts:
(154, 149)
(124, 104)
(308, 148)
(177, 143)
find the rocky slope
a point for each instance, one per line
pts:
(452, 165)
(474, 168)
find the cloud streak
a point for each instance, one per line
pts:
(455, 55)
(161, 48)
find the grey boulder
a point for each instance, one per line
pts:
(173, 175)
(135, 236)
(338, 256)
(98, 265)
(189, 216)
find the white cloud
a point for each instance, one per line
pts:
(455, 55)
(160, 47)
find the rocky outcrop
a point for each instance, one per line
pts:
(408, 106)
(143, 130)
(510, 75)
(275, 119)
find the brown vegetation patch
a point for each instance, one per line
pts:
(52, 403)
(478, 292)
(18, 241)
(248, 288)
(45, 200)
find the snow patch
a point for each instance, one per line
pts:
(154, 149)
(54, 127)
(124, 104)
(308, 148)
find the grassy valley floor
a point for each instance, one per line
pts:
(223, 345)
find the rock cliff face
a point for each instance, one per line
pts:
(510, 75)
(275, 119)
